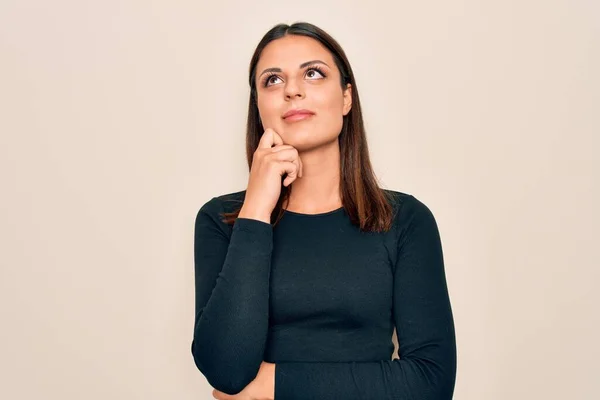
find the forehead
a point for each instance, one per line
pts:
(290, 51)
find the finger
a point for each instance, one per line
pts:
(291, 169)
(277, 139)
(286, 147)
(298, 166)
(291, 156)
(282, 147)
(269, 139)
(293, 175)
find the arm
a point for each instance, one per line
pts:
(422, 312)
(231, 297)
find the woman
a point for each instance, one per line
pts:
(298, 292)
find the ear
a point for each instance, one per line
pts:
(347, 98)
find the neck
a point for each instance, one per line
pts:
(318, 189)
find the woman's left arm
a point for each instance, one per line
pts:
(422, 312)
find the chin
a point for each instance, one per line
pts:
(304, 142)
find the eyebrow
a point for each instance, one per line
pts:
(304, 64)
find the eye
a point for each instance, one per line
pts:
(314, 68)
(268, 78)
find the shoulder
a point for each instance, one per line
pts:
(225, 202)
(213, 209)
(231, 201)
(407, 207)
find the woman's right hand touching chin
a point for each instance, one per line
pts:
(271, 160)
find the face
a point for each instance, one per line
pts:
(306, 77)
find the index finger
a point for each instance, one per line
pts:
(269, 139)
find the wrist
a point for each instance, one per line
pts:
(255, 214)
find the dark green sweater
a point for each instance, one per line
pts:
(320, 299)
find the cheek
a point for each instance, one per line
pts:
(330, 101)
(267, 111)
(330, 107)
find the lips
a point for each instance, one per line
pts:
(297, 113)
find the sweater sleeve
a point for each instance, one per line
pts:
(231, 297)
(422, 312)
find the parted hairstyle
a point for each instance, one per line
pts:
(366, 203)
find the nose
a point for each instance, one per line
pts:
(293, 90)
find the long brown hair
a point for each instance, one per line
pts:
(366, 203)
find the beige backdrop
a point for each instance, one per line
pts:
(120, 118)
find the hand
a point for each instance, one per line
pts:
(261, 388)
(271, 160)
